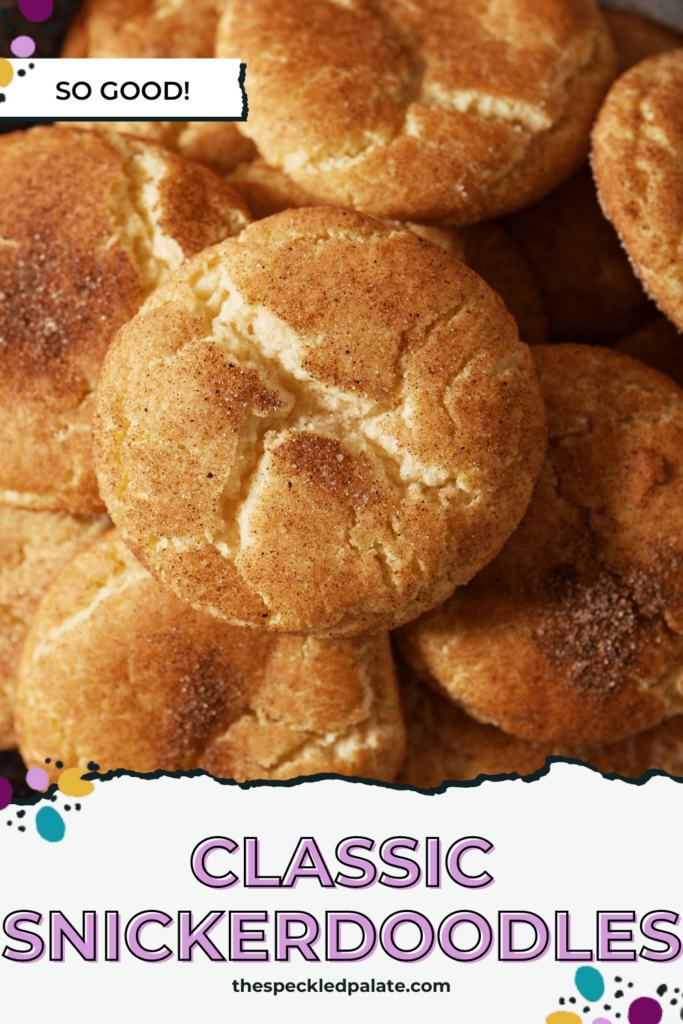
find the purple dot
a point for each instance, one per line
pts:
(36, 10)
(23, 46)
(644, 1011)
(37, 778)
(5, 794)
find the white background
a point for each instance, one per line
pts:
(570, 841)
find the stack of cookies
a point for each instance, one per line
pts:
(301, 396)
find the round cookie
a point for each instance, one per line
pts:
(117, 671)
(486, 247)
(574, 633)
(218, 145)
(590, 291)
(90, 224)
(658, 344)
(34, 546)
(364, 104)
(143, 28)
(321, 427)
(638, 165)
(446, 745)
(636, 37)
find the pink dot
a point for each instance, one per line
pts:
(601, 1020)
(37, 778)
(23, 46)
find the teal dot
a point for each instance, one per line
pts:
(590, 983)
(50, 824)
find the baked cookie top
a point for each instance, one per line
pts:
(143, 28)
(485, 247)
(638, 165)
(117, 671)
(323, 426)
(34, 546)
(445, 744)
(90, 223)
(465, 109)
(574, 633)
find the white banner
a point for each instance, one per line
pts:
(179, 897)
(124, 90)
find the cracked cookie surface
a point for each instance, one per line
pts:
(322, 426)
(89, 224)
(574, 633)
(466, 109)
(117, 671)
(638, 166)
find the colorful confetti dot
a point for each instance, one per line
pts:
(6, 72)
(590, 983)
(71, 784)
(50, 824)
(37, 778)
(601, 1020)
(644, 1011)
(36, 10)
(23, 46)
(5, 794)
(563, 1017)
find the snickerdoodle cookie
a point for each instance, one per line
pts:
(89, 225)
(574, 633)
(34, 546)
(144, 28)
(485, 247)
(117, 671)
(445, 744)
(323, 426)
(590, 291)
(638, 165)
(468, 109)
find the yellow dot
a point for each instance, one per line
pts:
(563, 1017)
(6, 72)
(71, 784)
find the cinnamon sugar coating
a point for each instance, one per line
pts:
(117, 671)
(445, 744)
(89, 224)
(466, 109)
(322, 427)
(574, 633)
(485, 247)
(638, 166)
(143, 28)
(34, 546)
